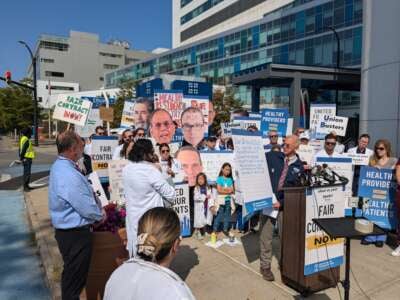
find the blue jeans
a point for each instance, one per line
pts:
(223, 215)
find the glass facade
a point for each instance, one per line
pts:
(199, 10)
(297, 35)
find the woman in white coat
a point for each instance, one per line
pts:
(144, 187)
(148, 276)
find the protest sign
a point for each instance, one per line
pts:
(379, 186)
(328, 124)
(200, 102)
(171, 101)
(316, 111)
(227, 129)
(102, 151)
(358, 159)
(306, 153)
(115, 177)
(93, 120)
(274, 119)
(97, 188)
(182, 208)
(72, 110)
(289, 128)
(343, 167)
(128, 119)
(321, 251)
(107, 113)
(245, 122)
(251, 165)
(212, 162)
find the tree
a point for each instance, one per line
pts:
(224, 104)
(16, 108)
(126, 92)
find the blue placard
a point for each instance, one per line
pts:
(178, 136)
(379, 186)
(147, 88)
(193, 88)
(274, 119)
(99, 101)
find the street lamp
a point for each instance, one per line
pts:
(337, 60)
(35, 102)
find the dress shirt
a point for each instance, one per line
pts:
(71, 200)
(117, 152)
(323, 153)
(355, 150)
(144, 188)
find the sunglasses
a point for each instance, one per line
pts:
(101, 133)
(165, 124)
(140, 135)
(164, 151)
(273, 136)
(380, 148)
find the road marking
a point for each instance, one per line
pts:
(5, 177)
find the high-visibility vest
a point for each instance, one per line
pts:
(29, 152)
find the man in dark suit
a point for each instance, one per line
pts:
(284, 168)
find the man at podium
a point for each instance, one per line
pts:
(284, 169)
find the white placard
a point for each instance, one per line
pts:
(115, 176)
(246, 122)
(289, 129)
(250, 162)
(321, 251)
(92, 122)
(306, 153)
(328, 124)
(171, 101)
(72, 110)
(128, 118)
(212, 162)
(182, 207)
(316, 110)
(199, 102)
(97, 188)
(102, 151)
(358, 159)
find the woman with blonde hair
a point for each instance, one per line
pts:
(147, 276)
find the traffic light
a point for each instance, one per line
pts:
(7, 75)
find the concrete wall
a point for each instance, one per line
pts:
(380, 85)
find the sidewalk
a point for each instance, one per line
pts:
(233, 272)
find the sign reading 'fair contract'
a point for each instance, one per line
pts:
(72, 110)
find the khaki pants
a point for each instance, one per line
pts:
(267, 225)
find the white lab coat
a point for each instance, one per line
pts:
(368, 151)
(137, 279)
(322, 153)
(200, 219)
(144, 188)
(117, 152)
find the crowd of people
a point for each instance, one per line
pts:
(152, 228)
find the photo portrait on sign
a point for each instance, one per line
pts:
(189, 157)
(162, 128)
(193, 126)
(141, 113)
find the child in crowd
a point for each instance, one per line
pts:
(204, 204)
(226, 190)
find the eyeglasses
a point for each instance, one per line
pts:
(101, 133)
(165, 124)
(165, 151)
(140, 135)
(380, 148)
(273, 136)
(330, 143)
(191, 127)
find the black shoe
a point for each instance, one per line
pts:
(379, 244)
(267, 274)
(27, 188)
(365, 242)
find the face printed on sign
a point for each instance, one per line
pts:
(190, 160)
(193, 125)
(140, 114)
(162, 129)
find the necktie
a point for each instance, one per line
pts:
(283, 174)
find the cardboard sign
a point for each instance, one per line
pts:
(316, 111)
(328, 124)
(200, 102)
(107, 113)
(246, 122)
(306, 153)
(212, 162)
(115, 177)
(127, 118)
(72, 110)
(251, 165)
(379, 186)
(102, 152)
(227, 129)
(182, 207)
(93, 120)
(358, 159)
(171, 101)
(321, 251)
(97, 188)
(274, 119)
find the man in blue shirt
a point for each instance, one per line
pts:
(73, 209)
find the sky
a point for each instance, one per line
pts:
(145, 24)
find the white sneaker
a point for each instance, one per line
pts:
(396, 252)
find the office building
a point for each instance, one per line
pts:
(193, 20)
(81, 58)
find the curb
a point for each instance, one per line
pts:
(51, 271)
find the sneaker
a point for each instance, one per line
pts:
(379, 244)
(267, 274)
(396, 252)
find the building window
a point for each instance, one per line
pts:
(54, 74)
(110, 55)
(185, 2)
(101, 78)
(131, 60)
(199, 10)
(60, 88)
(47, 60)
(110, 66)
(53, 46)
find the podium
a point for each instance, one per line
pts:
(293, 247)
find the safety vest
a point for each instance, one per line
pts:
(29, 152)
